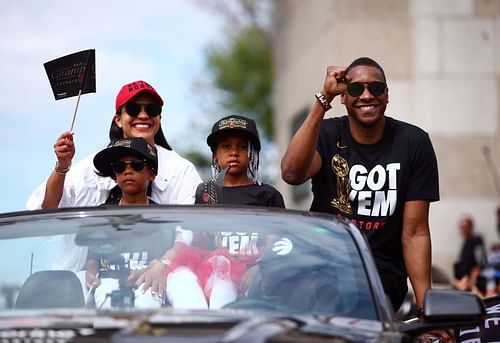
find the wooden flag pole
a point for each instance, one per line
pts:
(82, 85)
(76, 109)
(68, 76)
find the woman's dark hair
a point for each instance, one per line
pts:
(116, 133)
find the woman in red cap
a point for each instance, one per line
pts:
(137, 114)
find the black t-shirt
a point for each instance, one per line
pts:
(375, 181)
(472, 254)
(135, 252)
(246, 245)
(489, 330)
(253, 195)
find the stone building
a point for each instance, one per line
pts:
(442, 62)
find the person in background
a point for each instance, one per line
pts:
(492, 272)
(489, 330)
(472, 258)
(488, 288)
(489, 278)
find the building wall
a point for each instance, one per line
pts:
(442, 62)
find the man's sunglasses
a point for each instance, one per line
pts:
(377, 88)
(133, 109)
(120, 166)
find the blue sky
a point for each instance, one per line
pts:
(161, 42)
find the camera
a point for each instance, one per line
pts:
(119, 269)
(123, 297)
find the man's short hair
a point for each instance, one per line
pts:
(366, 61)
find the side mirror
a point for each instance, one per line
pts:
(450, 305)
(447, 309)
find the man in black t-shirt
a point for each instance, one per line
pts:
(472, 257)
(379, 172)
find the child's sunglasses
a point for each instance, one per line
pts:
(377, 88)
(133, 109)
(120, 166)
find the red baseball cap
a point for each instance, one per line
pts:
(130, 90)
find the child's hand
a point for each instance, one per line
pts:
(91, 280)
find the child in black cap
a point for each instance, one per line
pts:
(235, 146)
(133, 164)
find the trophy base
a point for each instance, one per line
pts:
(342, 206)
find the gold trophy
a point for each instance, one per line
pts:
(341, 170)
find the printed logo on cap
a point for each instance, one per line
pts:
(233, 123)
(127, 143)
(124, 143)
(138, 85)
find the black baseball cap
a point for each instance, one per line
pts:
(135, 146)
(234, 125)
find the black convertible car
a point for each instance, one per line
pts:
(200, 274)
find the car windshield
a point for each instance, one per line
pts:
(205, 258)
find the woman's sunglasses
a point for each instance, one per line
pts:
(133, 109)
(377, 88)
(120, 166)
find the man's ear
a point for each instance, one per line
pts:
(118, 119)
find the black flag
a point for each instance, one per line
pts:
(70, 74)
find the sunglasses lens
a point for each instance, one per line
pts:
(137, 165)
(153, 110)
(118, 167)
(133, 109)
(355, 88)
(377, 88)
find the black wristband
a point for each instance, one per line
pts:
(323, 101)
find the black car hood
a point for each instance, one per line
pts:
(185, 326)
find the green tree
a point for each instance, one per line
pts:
(240, 75)
(242, 67)
(243, 72)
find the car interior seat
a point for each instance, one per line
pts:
(50, 289)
